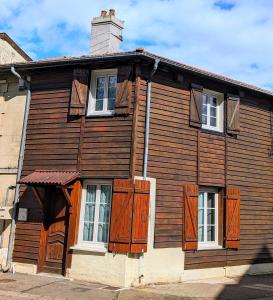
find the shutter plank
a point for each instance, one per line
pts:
(190, 236)
(121, 215)
(79, 92)
(140, 216)
(124, 89)
(196, 106)
(233, 114)
(232, 217)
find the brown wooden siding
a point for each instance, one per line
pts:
(99, 147)
(175, 159)
(172, 155)
(211, 166)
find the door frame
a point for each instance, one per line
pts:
(72, 194)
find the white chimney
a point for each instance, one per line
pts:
(106, 33)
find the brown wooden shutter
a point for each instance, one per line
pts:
(124, 89)
(233, 114)
(121, 215)
(79, 92)
(140, 216)
(196, 106)
(129, 216)
(190, 236)
(232, 218)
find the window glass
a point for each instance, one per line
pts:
(207, 217)
(96, 213)
(104, 211)
(89, 214)
(103, 92)
(100, 88)
(112, 81)
(211, 118)
(201, 217)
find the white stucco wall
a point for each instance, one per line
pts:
(12, 106)
(8, 54)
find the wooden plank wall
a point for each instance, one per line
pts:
(172, 155)
(97, 147)
(174, 160)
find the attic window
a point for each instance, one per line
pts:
(102, 92)
(212, 111)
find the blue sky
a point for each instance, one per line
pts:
(230, 37)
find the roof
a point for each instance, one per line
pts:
(9, 40)
(46, 177)
(137, 54)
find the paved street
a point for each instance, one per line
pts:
(20, 286)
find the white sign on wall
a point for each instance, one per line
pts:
(22, 214)
(5, 212)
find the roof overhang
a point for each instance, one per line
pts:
(136, 56)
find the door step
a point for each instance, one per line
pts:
(57, 276)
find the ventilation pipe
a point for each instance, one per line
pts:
(26, 84)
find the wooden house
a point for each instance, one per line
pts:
(139, 169)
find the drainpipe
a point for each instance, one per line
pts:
(22, 85)
(146, 147)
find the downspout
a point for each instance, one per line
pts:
(146, 147)
(26, 84)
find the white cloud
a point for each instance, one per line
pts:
(236, 41)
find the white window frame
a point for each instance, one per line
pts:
(207, 244)
(92, 245)
(92, 92)
(219, 111)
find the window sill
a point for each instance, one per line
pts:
(100, 249)
(209, 247)
(212, 129)
(100, 114)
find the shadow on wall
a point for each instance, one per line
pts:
(252, 287)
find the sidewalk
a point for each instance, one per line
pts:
(21, 286)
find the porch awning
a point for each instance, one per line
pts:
(47, 177)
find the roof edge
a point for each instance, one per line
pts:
(4, 36)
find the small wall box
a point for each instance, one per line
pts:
(6, 212)
(22, 214)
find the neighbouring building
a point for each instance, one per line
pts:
(12, 106)
(139, 169)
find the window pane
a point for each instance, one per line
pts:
(89, 213)
(204, 119)
(213, 101)
(100, 87)
(112, 81)
(201, 200)
(213, 111)
(213, 121)
(211, 233)
(201, 216)
(201, 233)
(99, 105)
(105, 200)
(211, 200)
(204, 109)
(111, 104)
(204, 100)
(211, 216)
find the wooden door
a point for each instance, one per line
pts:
(54, 233)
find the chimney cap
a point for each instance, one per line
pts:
(140, 49)
(103, 13)
(112, 12)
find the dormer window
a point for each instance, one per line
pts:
(102, 92)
